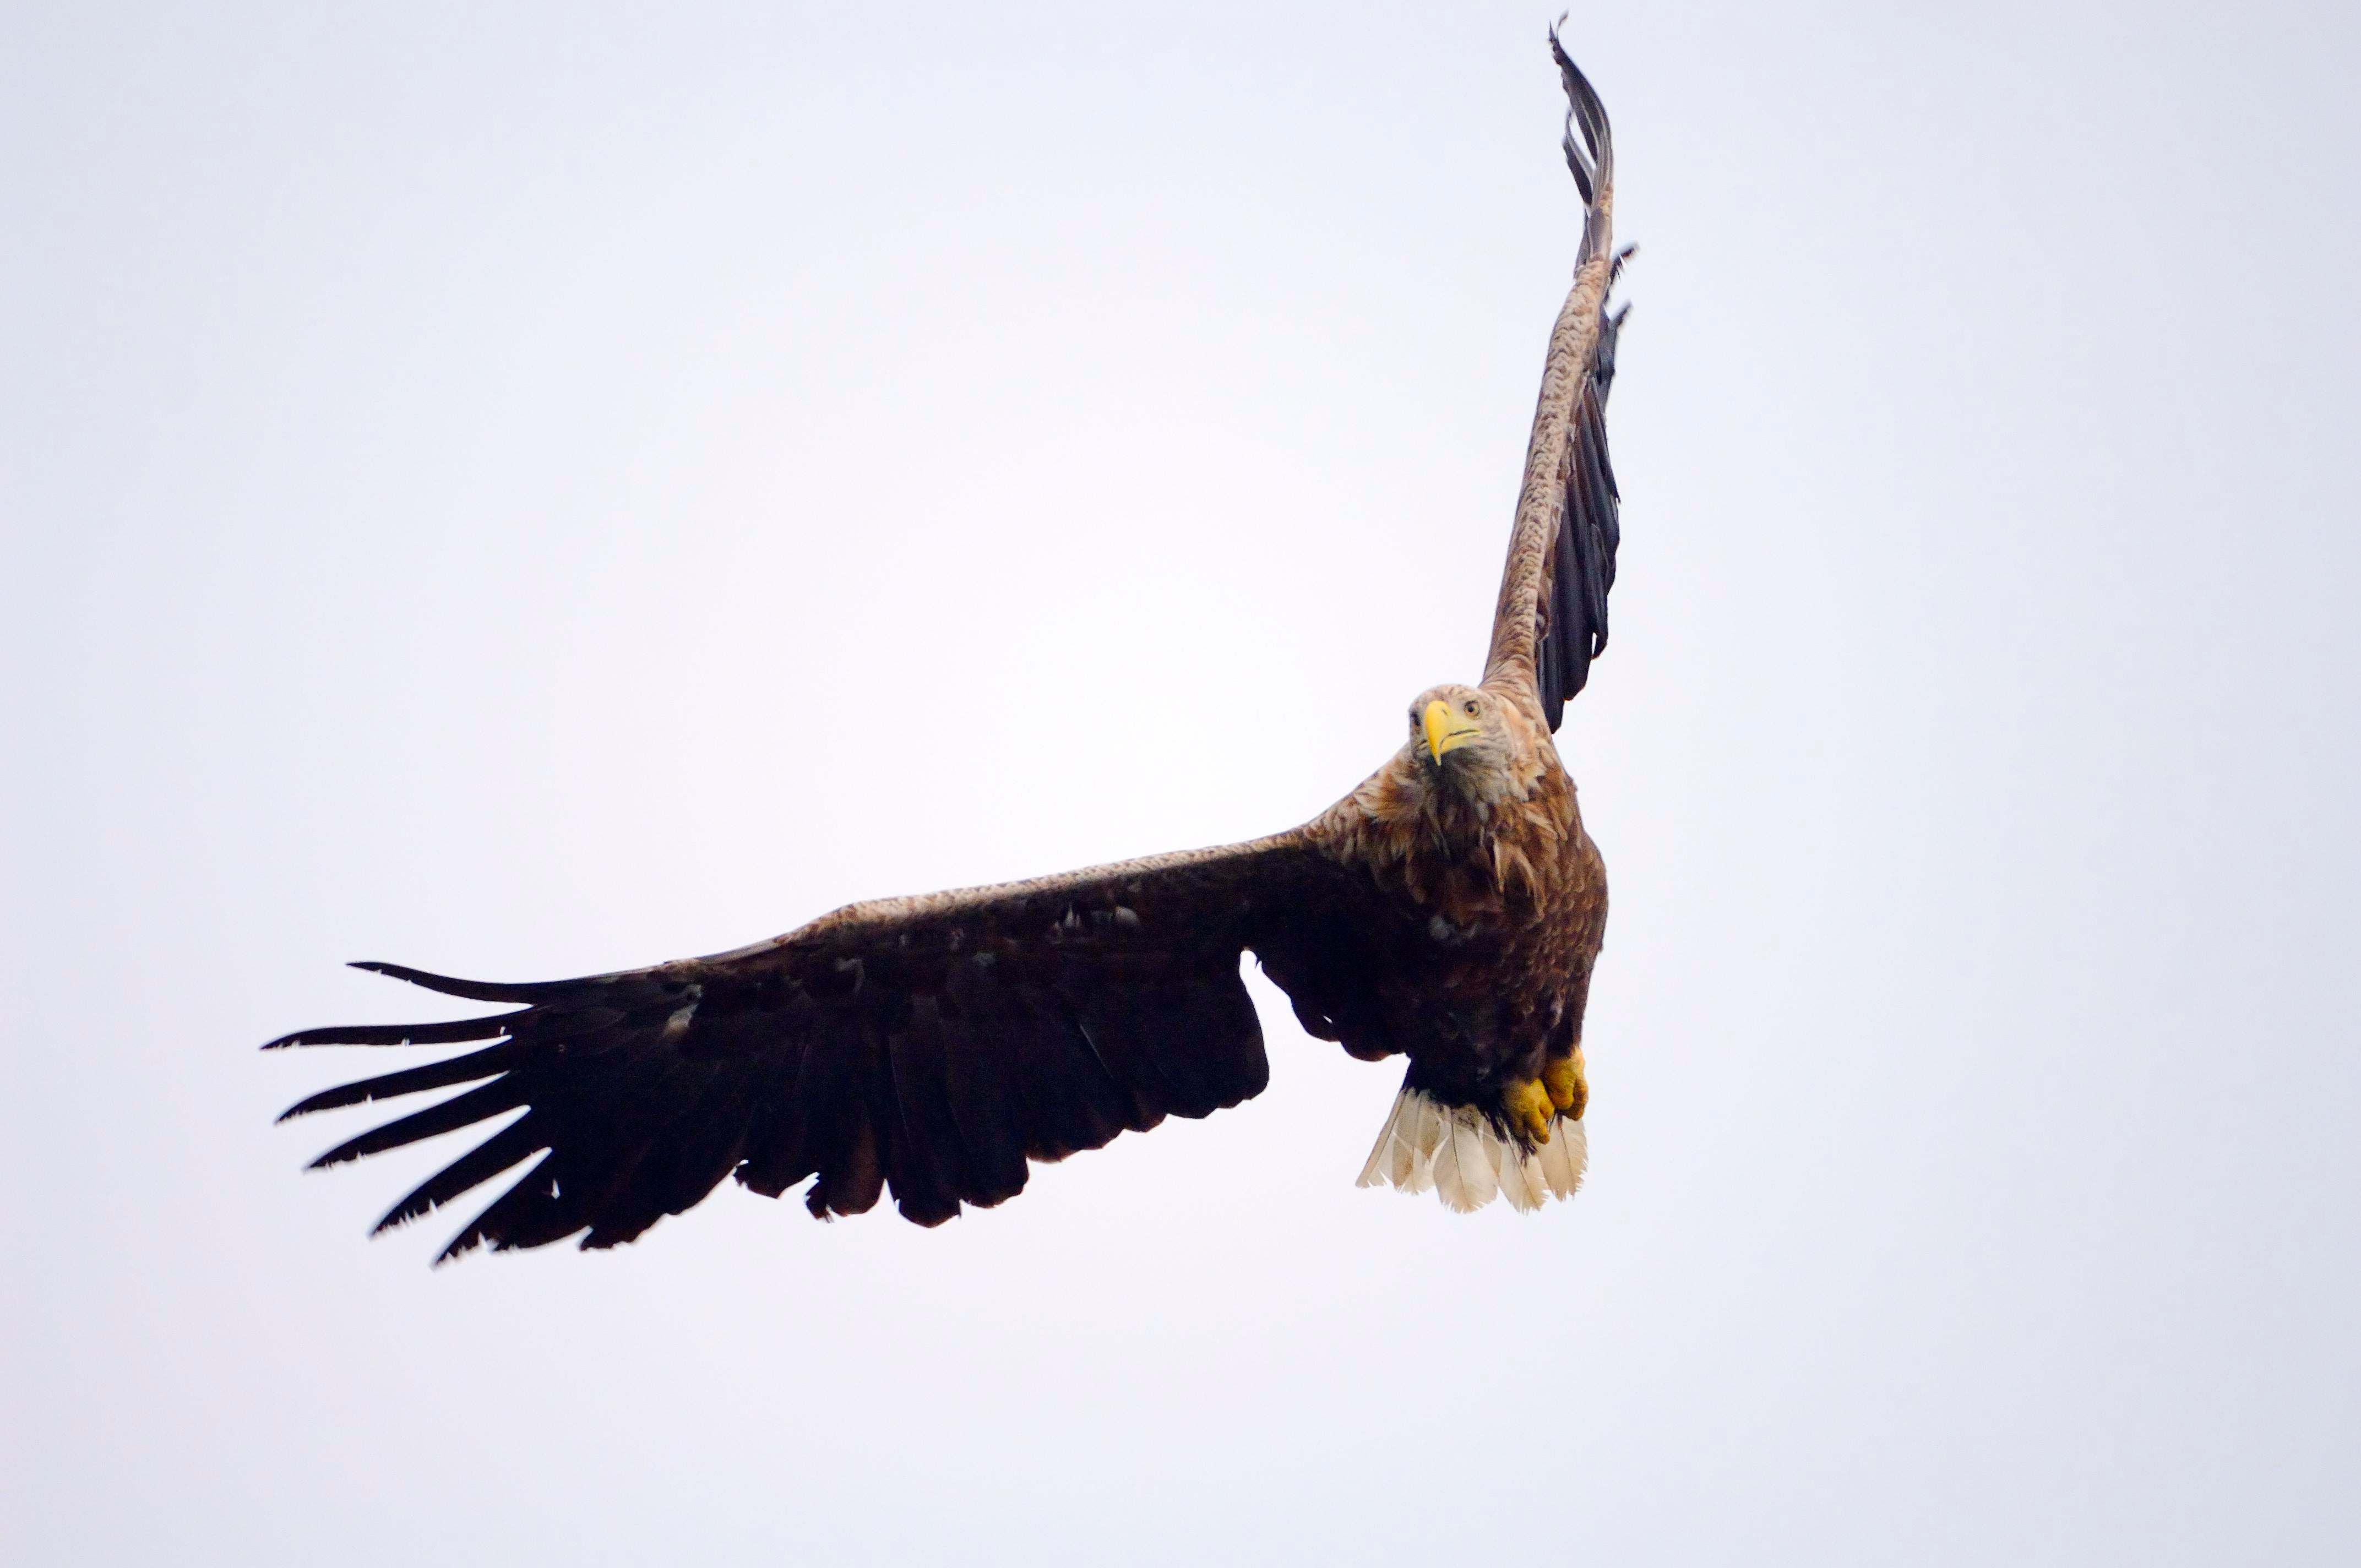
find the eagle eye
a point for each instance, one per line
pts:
(1471, 706)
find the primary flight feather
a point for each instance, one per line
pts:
(1448, 910)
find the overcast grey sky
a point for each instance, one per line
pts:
(536, 490)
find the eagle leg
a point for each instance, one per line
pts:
(1569, 1086)
(1529, 1109)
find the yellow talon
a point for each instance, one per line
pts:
(1569, 1089)
(1528, 1104)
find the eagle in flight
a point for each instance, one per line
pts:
(1449, 910)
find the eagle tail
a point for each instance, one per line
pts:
(1457, 1152)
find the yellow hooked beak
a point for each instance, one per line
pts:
(1447, 729)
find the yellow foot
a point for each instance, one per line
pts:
(1528, 1105)
(1569, 1089)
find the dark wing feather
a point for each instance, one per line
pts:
(1552, 618)
(929, 1047)
(1582, 560)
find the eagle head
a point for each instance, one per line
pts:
(1468, 739)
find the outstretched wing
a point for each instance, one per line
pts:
(932, 1045)
(1551, 617)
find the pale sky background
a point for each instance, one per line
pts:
(531, 490)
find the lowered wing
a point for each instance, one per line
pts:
(929, 1045)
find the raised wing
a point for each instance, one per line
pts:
(932, 1045)
(1551, 617)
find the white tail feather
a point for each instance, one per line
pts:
(1468, 1161)
(1389, 1160)
(1564, 1156)
(1427, 1129)
(1479, 1173)
(1521, 1181)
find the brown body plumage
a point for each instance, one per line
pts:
(1449, 909)
(1488, 858)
